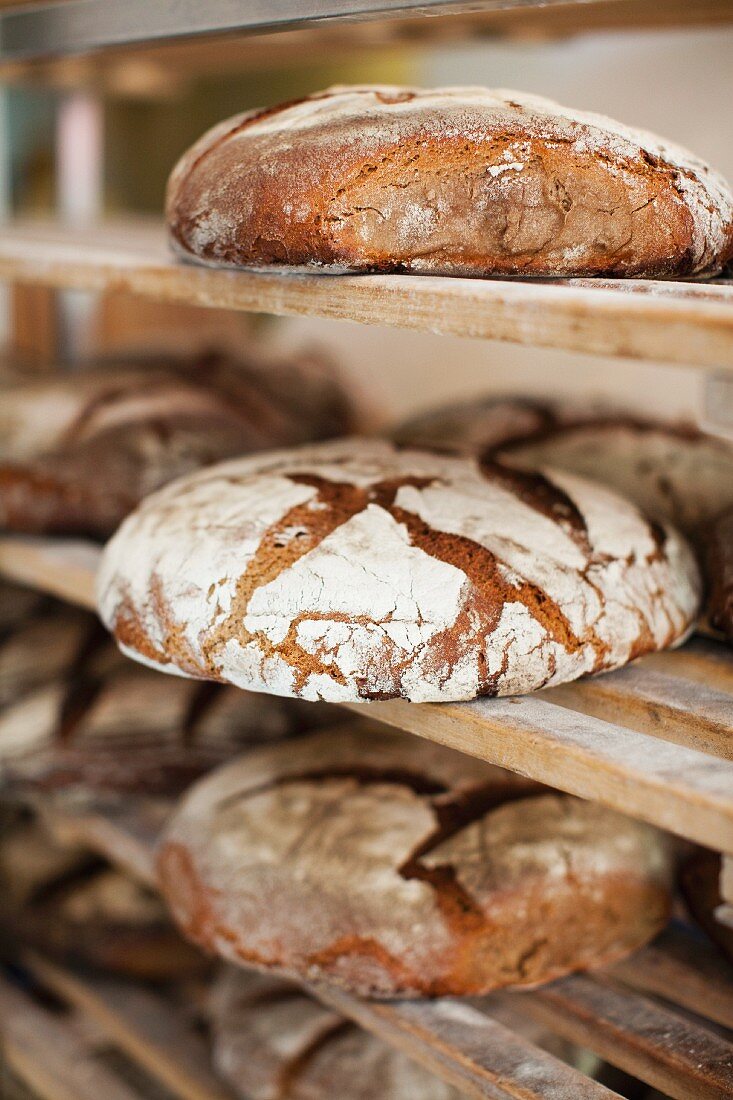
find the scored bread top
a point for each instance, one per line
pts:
(672, 470)
(446, 181)
(396, 867)
(355, 570)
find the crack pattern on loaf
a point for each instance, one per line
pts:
(394, 867)
(449, 181)
(355, 570)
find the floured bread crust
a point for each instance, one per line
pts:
(370, 860)
(448, 181)
(673, 471)
(78, 452)
(76, 714)
(355, 570)
(271, 1041)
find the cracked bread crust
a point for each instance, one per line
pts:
(356, 858)
(673, 471)
(77, 453)
(354, 570)
(271, 1041)
(450, 181)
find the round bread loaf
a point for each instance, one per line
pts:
(398, 868)
(449, 181)
(354, 570)
(75, 713)
(77, 453)
(700, 886)
(673, 471)
(271, 1041)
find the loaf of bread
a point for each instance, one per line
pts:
(271, 1041)
(75, 713)
(78, 452)
(63, 900)
(448, 181)
(354, 570)
(719, 572)
(374, 861)
(700, 886)
(674, 471)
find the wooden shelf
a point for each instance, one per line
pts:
(62, 567)
(633, 1015)
(554, 736)
(654, 740)
(676, 322)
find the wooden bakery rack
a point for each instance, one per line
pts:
(654, 740)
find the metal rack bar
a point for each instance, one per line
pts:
(77, 26)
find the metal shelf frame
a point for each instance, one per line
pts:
(64, 27)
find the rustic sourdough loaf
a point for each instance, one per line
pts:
(355, 570)
(271, 1041)
(673, 471)
(76, 714)
(391, 866)
(78, 452)
(448, 181)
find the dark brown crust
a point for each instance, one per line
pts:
(719, 562)
(523, 927)
(230, 200)
(94, 476)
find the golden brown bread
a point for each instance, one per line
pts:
(395, 867)
(450, 181)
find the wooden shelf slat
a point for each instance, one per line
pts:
(678, 789)
(467, 1048)
(678, 1056)
(689, 323)
(700, 659)
(686, 971)
(49, 1055)
(149, 1029)
(61, 567)
(655, 702)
